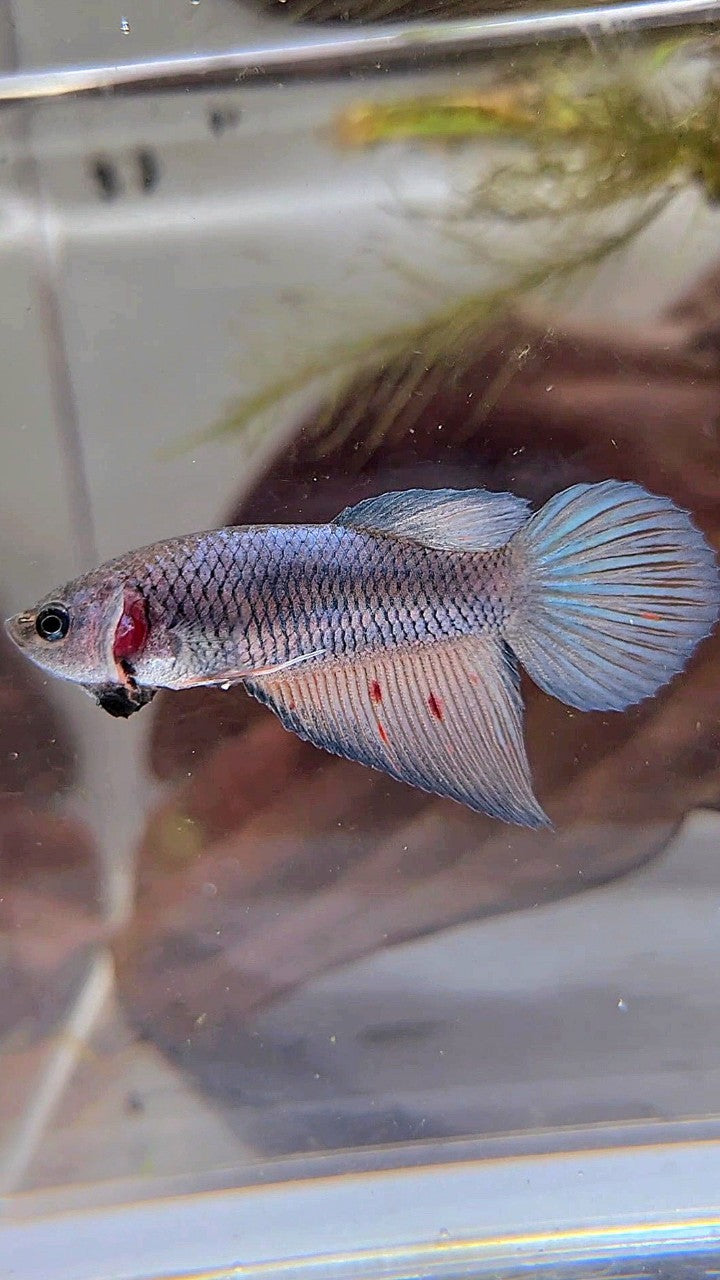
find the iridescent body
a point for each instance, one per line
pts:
(259, 597)
(392, 635)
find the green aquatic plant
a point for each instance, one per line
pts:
(582, 138)
(414, 358)
(597, 149)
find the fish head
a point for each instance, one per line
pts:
(70, 632)
(88, 632)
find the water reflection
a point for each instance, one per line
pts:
(370, 11)
(269, 863)
(49, 881)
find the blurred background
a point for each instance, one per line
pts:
(263, 302)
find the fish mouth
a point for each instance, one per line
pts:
(19, 628)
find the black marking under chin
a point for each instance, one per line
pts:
(122, 701)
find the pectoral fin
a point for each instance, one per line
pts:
(236, 675)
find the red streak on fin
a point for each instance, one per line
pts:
(383, 734)
(654, 617)
(435, 707)
(132, 629)
(376, 691)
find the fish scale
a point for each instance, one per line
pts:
(282, 593)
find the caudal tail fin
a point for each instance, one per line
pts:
(615, 587)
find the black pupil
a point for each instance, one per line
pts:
(52, 622)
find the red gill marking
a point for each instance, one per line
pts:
(376, 691)
(383, 735)
(654, 617)
(472, 678)
(132, 629)
(435, 707)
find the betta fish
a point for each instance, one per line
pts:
(392, 635)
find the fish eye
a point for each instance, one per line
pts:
(53, 622)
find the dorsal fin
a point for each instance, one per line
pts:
(445, 519)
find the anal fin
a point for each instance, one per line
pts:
(443, 717)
